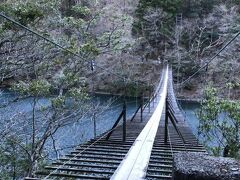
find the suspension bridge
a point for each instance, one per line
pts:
(138, 148)
(141, 147)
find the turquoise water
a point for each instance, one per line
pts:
(189, 111)
(83, 130)
(15, 114)
(80, 132)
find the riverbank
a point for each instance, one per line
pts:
(186, 100)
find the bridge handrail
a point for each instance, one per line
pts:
(152, 97)
(154, 94)
(137, 159)
(171, 110)
(174, 121)
(122, 115)
(134, 115)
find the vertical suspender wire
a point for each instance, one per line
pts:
(136, 96)
(170, 142)
(125, 111)
(177, 37)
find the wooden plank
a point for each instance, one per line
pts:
(136, 161)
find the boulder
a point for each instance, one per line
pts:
(199, 166)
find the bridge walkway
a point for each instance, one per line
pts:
(161, 160)
(143, 155)
(99, 158)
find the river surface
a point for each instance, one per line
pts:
(189, 110)
(81, 131)
(74, 134)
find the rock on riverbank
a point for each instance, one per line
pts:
(199, 166)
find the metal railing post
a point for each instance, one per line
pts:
(115, 125)
(124, 121)
(166, 123)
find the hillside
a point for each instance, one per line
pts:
(129, 38)
(94, 32)
(189, 34)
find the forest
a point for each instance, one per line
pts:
(57, 54)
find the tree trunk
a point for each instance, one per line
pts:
(226, 151)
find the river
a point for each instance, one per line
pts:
(189, 110)
(81, 131)
(73, 134)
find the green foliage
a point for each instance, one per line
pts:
(89, 47)
(58, 102)
(169, 6)
(73, 9)
(167, 18)
(28, 12)
(81, 11)
(236, 2)
(34, 88)
(197, 8)
(67, 80)
(73, 22)
(220, 123)
(79, 94)
(23, 11)
(13, 160)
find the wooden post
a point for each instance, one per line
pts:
(115, 125)
(166, 123)
(124, 121)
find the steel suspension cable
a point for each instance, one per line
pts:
(62, 47)
(207, 63)
(38, 34)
